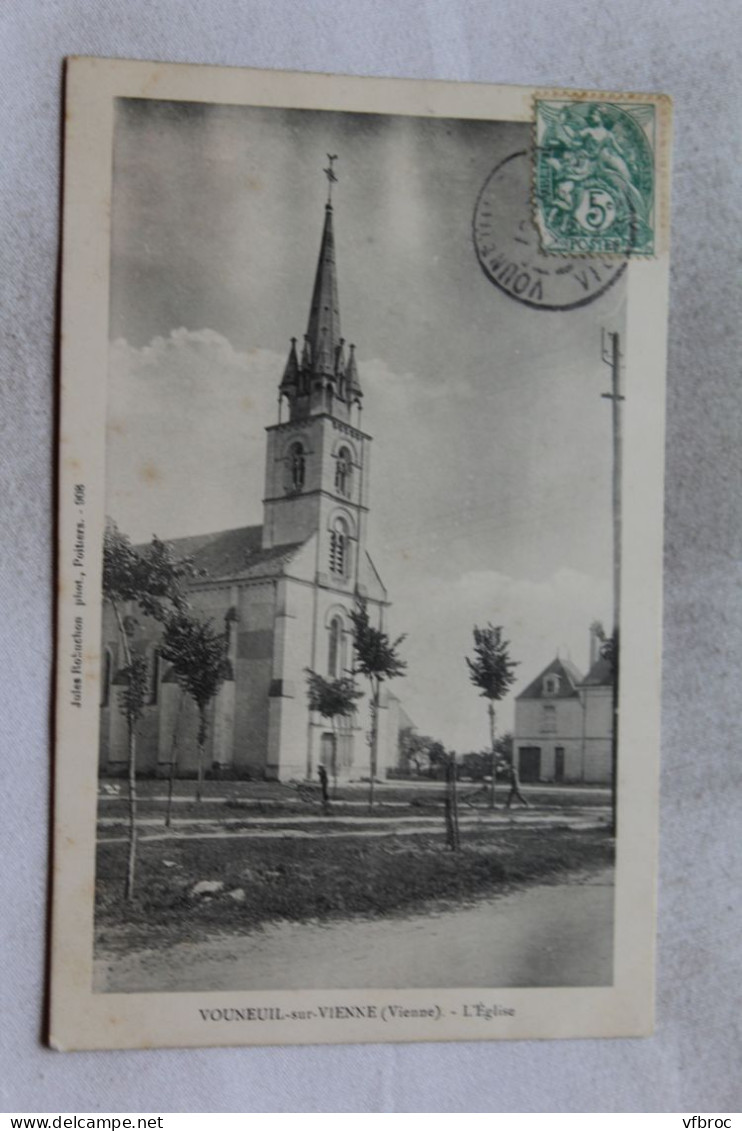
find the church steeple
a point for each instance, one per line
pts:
(316, 472)
(323, 381)
(323, 330)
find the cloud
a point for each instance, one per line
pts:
(186, 433)
(186, 455)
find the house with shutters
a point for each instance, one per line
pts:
(286, 587)
(563, 722)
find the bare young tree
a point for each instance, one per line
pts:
(492, 671)
(451, 804)
(199, 656)
(376, 658)
(152, 580)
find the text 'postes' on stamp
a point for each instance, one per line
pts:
(593, 184)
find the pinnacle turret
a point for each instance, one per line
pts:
(290, 379)
(352, 382)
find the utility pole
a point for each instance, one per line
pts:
(611, 355)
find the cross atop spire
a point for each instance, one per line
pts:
(331, 176)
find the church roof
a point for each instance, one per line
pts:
(233, 553)
(569, 679)
(323, 330)
(600, 674)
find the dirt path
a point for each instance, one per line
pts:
(277, 828)
(557, 934)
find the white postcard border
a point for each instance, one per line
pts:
(80, 1018)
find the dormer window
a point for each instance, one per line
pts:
(551, 684)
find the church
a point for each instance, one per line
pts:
(285, 588)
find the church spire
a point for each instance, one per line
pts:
(323, 330)
(323, 381)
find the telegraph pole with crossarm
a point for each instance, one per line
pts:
(611, 355)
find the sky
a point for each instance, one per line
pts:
(491, 458)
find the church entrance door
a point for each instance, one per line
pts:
(327, 752)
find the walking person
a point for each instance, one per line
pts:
(324, 785)
(511, 774)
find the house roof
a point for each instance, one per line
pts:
(233, 553)
(600, 674)
(569, 680)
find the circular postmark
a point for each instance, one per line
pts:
(507, 245)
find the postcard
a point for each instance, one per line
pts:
(360, 559)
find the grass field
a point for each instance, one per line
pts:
(319, 879)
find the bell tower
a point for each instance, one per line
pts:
(316, 479)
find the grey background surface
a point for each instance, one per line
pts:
(688, 49)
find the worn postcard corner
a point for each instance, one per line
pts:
(360, 559)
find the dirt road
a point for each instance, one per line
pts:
(557, 934)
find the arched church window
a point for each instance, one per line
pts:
(336, 649)
(343, 472)
(339, 547)
(297, 467)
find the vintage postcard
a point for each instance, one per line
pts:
(358, 664)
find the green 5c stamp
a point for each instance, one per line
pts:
(594, 185)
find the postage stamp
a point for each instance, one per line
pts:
(594, 182)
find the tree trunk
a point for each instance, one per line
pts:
(201, 744)
(132, 769)
(491, 711)
(448, 819)
(451, 808)
(334, 760)
(132, 855)
(173, 760)
(200, 772)
(374, 740)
